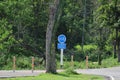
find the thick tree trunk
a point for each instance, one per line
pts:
(50, 54)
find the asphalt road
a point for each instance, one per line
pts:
(110, 73)
(19, 73)
(113, 73)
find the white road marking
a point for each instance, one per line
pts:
(112, 78)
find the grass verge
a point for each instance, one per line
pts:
(106, 63)
(59, 76)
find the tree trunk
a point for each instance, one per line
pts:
(99, 58)
(118, 51)
(100, 48)
(118, 45)
(118, 55)
(114, 43)
(50, 53)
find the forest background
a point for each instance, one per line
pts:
(92, 28)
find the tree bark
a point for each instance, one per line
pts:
(99, 58)
(118, 44)
(100, 48)
(50, 54)
(115, 44)
(115, 47)
(119, 55)
(118, 50)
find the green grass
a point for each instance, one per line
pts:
(25, 64)
(59, 76)
(106, 63)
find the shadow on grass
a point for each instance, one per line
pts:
(63, 75)
(67, 74)
(94, 78)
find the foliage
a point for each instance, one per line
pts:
(106, 63)
(6, 39)
(22, 63)
(23, 28)
(89, 50)
(70, 71)
(25, 63)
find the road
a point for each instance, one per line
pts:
(113, 73)
(19, 73)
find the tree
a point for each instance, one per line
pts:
(50, 54)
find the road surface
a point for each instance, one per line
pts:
(113, 73)
(19, 73)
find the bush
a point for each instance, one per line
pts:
(23, 63)
(70, 71)
(89, 50)
(5, 62)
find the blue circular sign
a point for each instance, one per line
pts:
(62, 38)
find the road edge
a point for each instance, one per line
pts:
(112, 78)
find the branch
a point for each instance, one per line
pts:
(29, 47)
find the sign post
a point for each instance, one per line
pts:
(61, 59)
(61, 45)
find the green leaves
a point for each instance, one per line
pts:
(5, 29)
(6, 38)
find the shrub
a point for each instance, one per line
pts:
(89, 50)
(70, 71)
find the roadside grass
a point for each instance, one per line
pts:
(106, 63)
(67, 75)
(59, 76)
(25, 64)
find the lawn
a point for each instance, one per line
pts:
(59, 76)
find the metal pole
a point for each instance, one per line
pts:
(61, 58)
